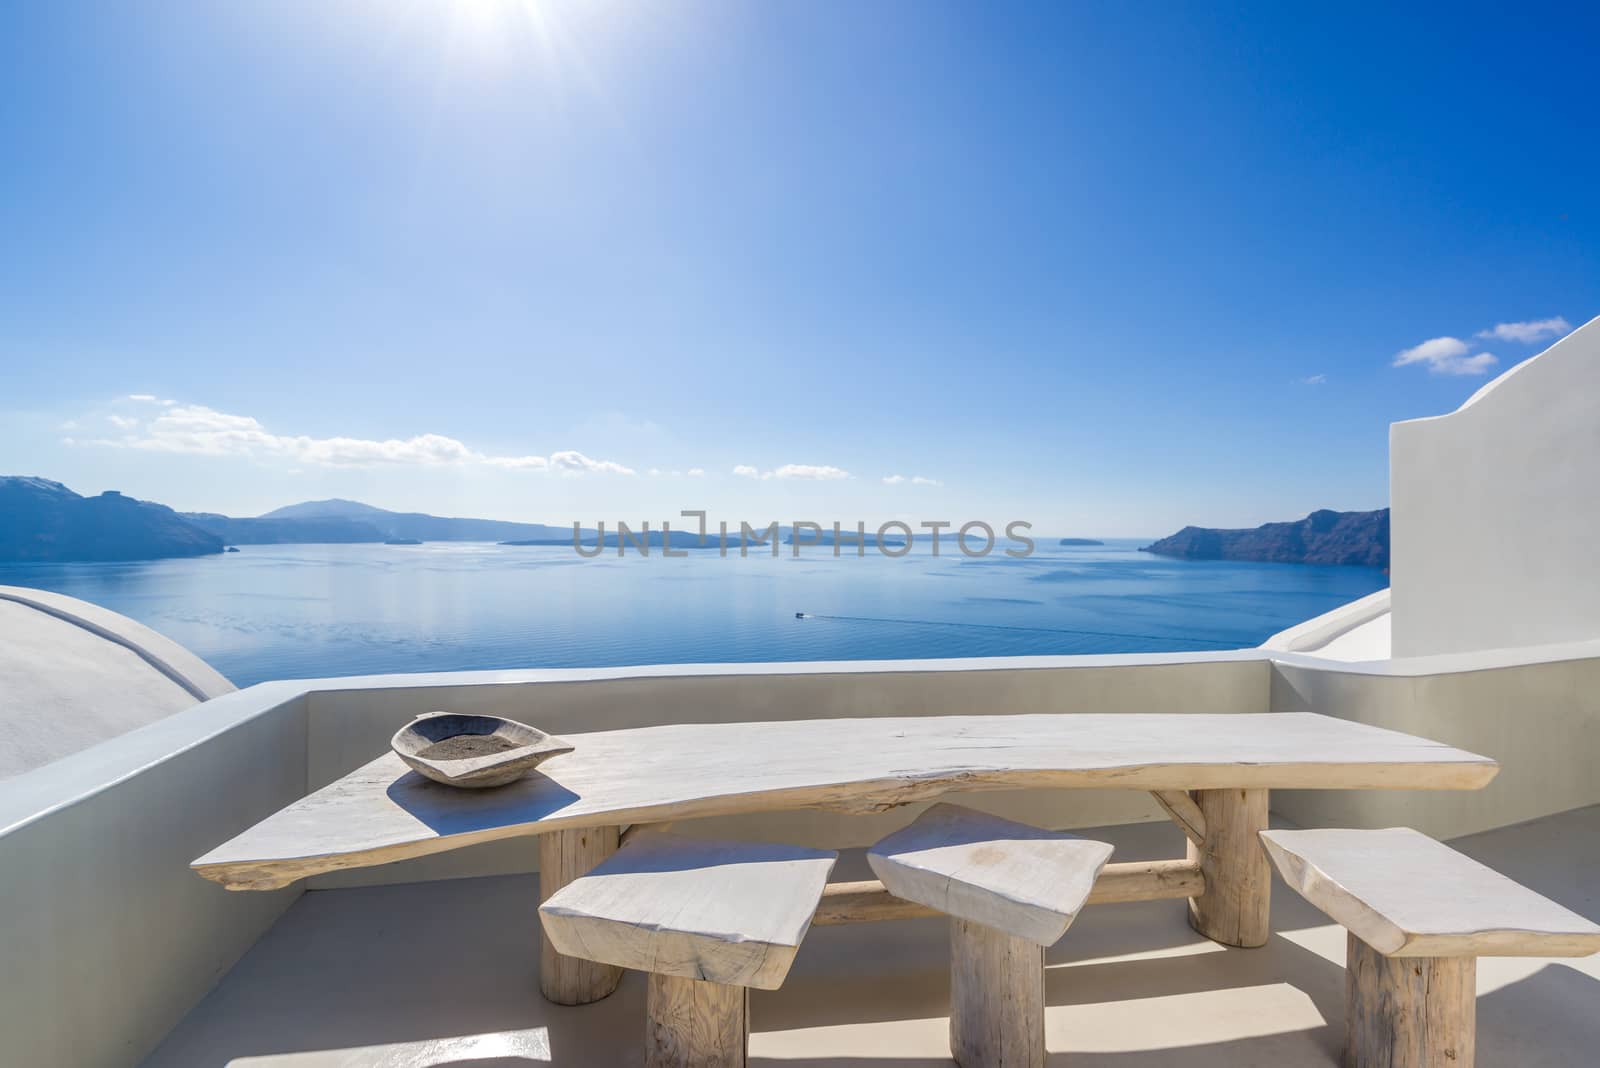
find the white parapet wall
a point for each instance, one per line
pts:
(1535, 710)
(109, 938)
(1496, 511)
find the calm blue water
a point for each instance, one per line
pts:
(306, 611)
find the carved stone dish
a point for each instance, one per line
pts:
(473, 751)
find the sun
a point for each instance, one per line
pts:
(548, 32)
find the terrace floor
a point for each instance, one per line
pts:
(351, 978)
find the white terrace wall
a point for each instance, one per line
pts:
(1496, 511)
(106, 937)
(1536, 711)
(109, 939)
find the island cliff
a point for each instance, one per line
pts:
(1323, 537)
(41, 520)
(340, 521)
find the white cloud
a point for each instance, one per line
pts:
(697, 472)
(1480, 363)
(426, 450)
(519, 463)
(814, 472)
(194, 428)
(1528, 332)
(574, 462)
(1314, 380)
(654, 472)
(1446, 356)
(1439, 348)
(894, 480)
(149, 398)
(197, 430)
(122, 422)
(918, 480)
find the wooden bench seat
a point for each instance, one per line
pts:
(1010, 890)
(1419, 915)
(707, 919)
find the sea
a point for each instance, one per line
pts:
(316, 611)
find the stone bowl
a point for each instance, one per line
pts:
(473, 751)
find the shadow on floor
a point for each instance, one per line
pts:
(1551, 1019)
(445, 973)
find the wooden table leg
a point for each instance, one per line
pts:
(1409, 1012)
(996, 998)
(563, 856)
(1235, 907)
(695, 1024)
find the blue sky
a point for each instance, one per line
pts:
(1109, 268)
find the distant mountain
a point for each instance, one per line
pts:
(42, 520)
(332, 508)
(284, 531)
(417, 525)
(1079, 541)
(1323, 537)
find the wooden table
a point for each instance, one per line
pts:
(1211, 773)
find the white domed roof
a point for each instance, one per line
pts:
(73, 674)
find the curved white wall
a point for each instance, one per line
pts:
(1496, 511)
(1355, 631)
(73, 674)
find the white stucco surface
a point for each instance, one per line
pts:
(1496, 508)
(1366, 641)
(1359, 630)
(73, 674)
(95, 847)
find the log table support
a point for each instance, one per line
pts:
(1181, 808)
(1408, 1012)
(563, 857)
(996, 998)
(1235, 907)
(694, 1024)
(1147, 880)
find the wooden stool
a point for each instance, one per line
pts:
(707, 919)
(1419, 915)
(1010, 890)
